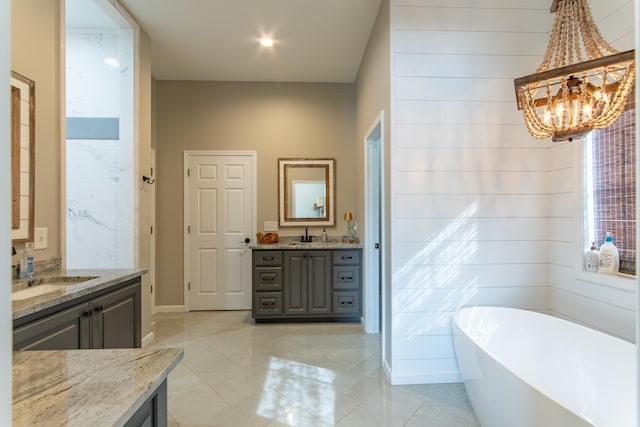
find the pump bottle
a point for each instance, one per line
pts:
(609, 257)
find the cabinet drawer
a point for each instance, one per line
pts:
(346, 277)
(267, 258)
(267, 304)
(267, 278)
(346, 302)
(349, 256)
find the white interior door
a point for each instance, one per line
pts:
(373, 227)
(220, 226)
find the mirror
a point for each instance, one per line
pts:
(23, 138)
(306, 192)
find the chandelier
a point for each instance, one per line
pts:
(588, 86)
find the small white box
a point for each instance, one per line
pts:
(270, 226)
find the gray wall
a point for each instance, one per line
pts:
(273, 119)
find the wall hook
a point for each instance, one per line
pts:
(148, 180)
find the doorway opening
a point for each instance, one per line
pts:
(99, 150)
(374, 223)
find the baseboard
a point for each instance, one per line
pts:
(148, 339)
(414, 378)
(387, 369)
(170, 309)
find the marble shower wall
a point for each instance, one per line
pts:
(96, 166)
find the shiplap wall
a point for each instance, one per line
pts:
(470, 187)
(607, 303)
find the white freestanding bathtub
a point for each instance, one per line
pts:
(526, 369)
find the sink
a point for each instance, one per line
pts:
(46, 285)
(38, 290)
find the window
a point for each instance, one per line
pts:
(610, 181)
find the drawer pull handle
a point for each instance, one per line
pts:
(268, 279)
(347, 257)
(346, 278)
(268, 258)
(346, 302)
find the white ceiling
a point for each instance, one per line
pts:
(217, 40)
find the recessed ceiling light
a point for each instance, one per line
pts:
(266, 41)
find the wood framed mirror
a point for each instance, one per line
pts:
(306, 192)
(23, 140)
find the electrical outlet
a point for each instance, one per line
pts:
(40, 238)
(270, 226)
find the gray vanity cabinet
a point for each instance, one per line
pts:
(68, 329)
(115, 320)
(313, 284)
(307, 282)
(107, 319)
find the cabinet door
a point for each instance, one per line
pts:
(116, 319)
(319, 278)
(66, 330)
(295, 282)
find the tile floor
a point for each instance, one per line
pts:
(236, 373)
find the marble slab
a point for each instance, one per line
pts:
(104, 278)
(86, 387)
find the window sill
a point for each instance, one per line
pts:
(626, 282)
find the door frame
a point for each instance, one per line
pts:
(374, 274)
(254, 206)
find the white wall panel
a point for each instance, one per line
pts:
(454, 89)
(461, 112)
(482, 135)
(409, 300)
(617, 24)
(421, 371)
(470, 182)
(482, 213)
(481, 276)
(561, 181)
(597, 314)
(489, 4)
(470, 66)
(472, 229)
(423, 346)
(565, 280)
(469, 42)
(481, 160)
(453, 206)
(472, 19)
(475, 252)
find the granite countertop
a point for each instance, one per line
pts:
(86, 387)
(297, 244)
(100, 279)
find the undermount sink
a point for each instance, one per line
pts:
(49, 284)
(37, 290)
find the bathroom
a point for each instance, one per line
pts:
(477, 211)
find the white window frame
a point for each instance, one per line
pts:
(621, 281)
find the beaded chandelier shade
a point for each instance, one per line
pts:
(582, 83)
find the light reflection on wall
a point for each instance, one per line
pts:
(435, 267)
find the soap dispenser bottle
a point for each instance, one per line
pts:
(26, 261)
(592, 259)
(609, 257)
